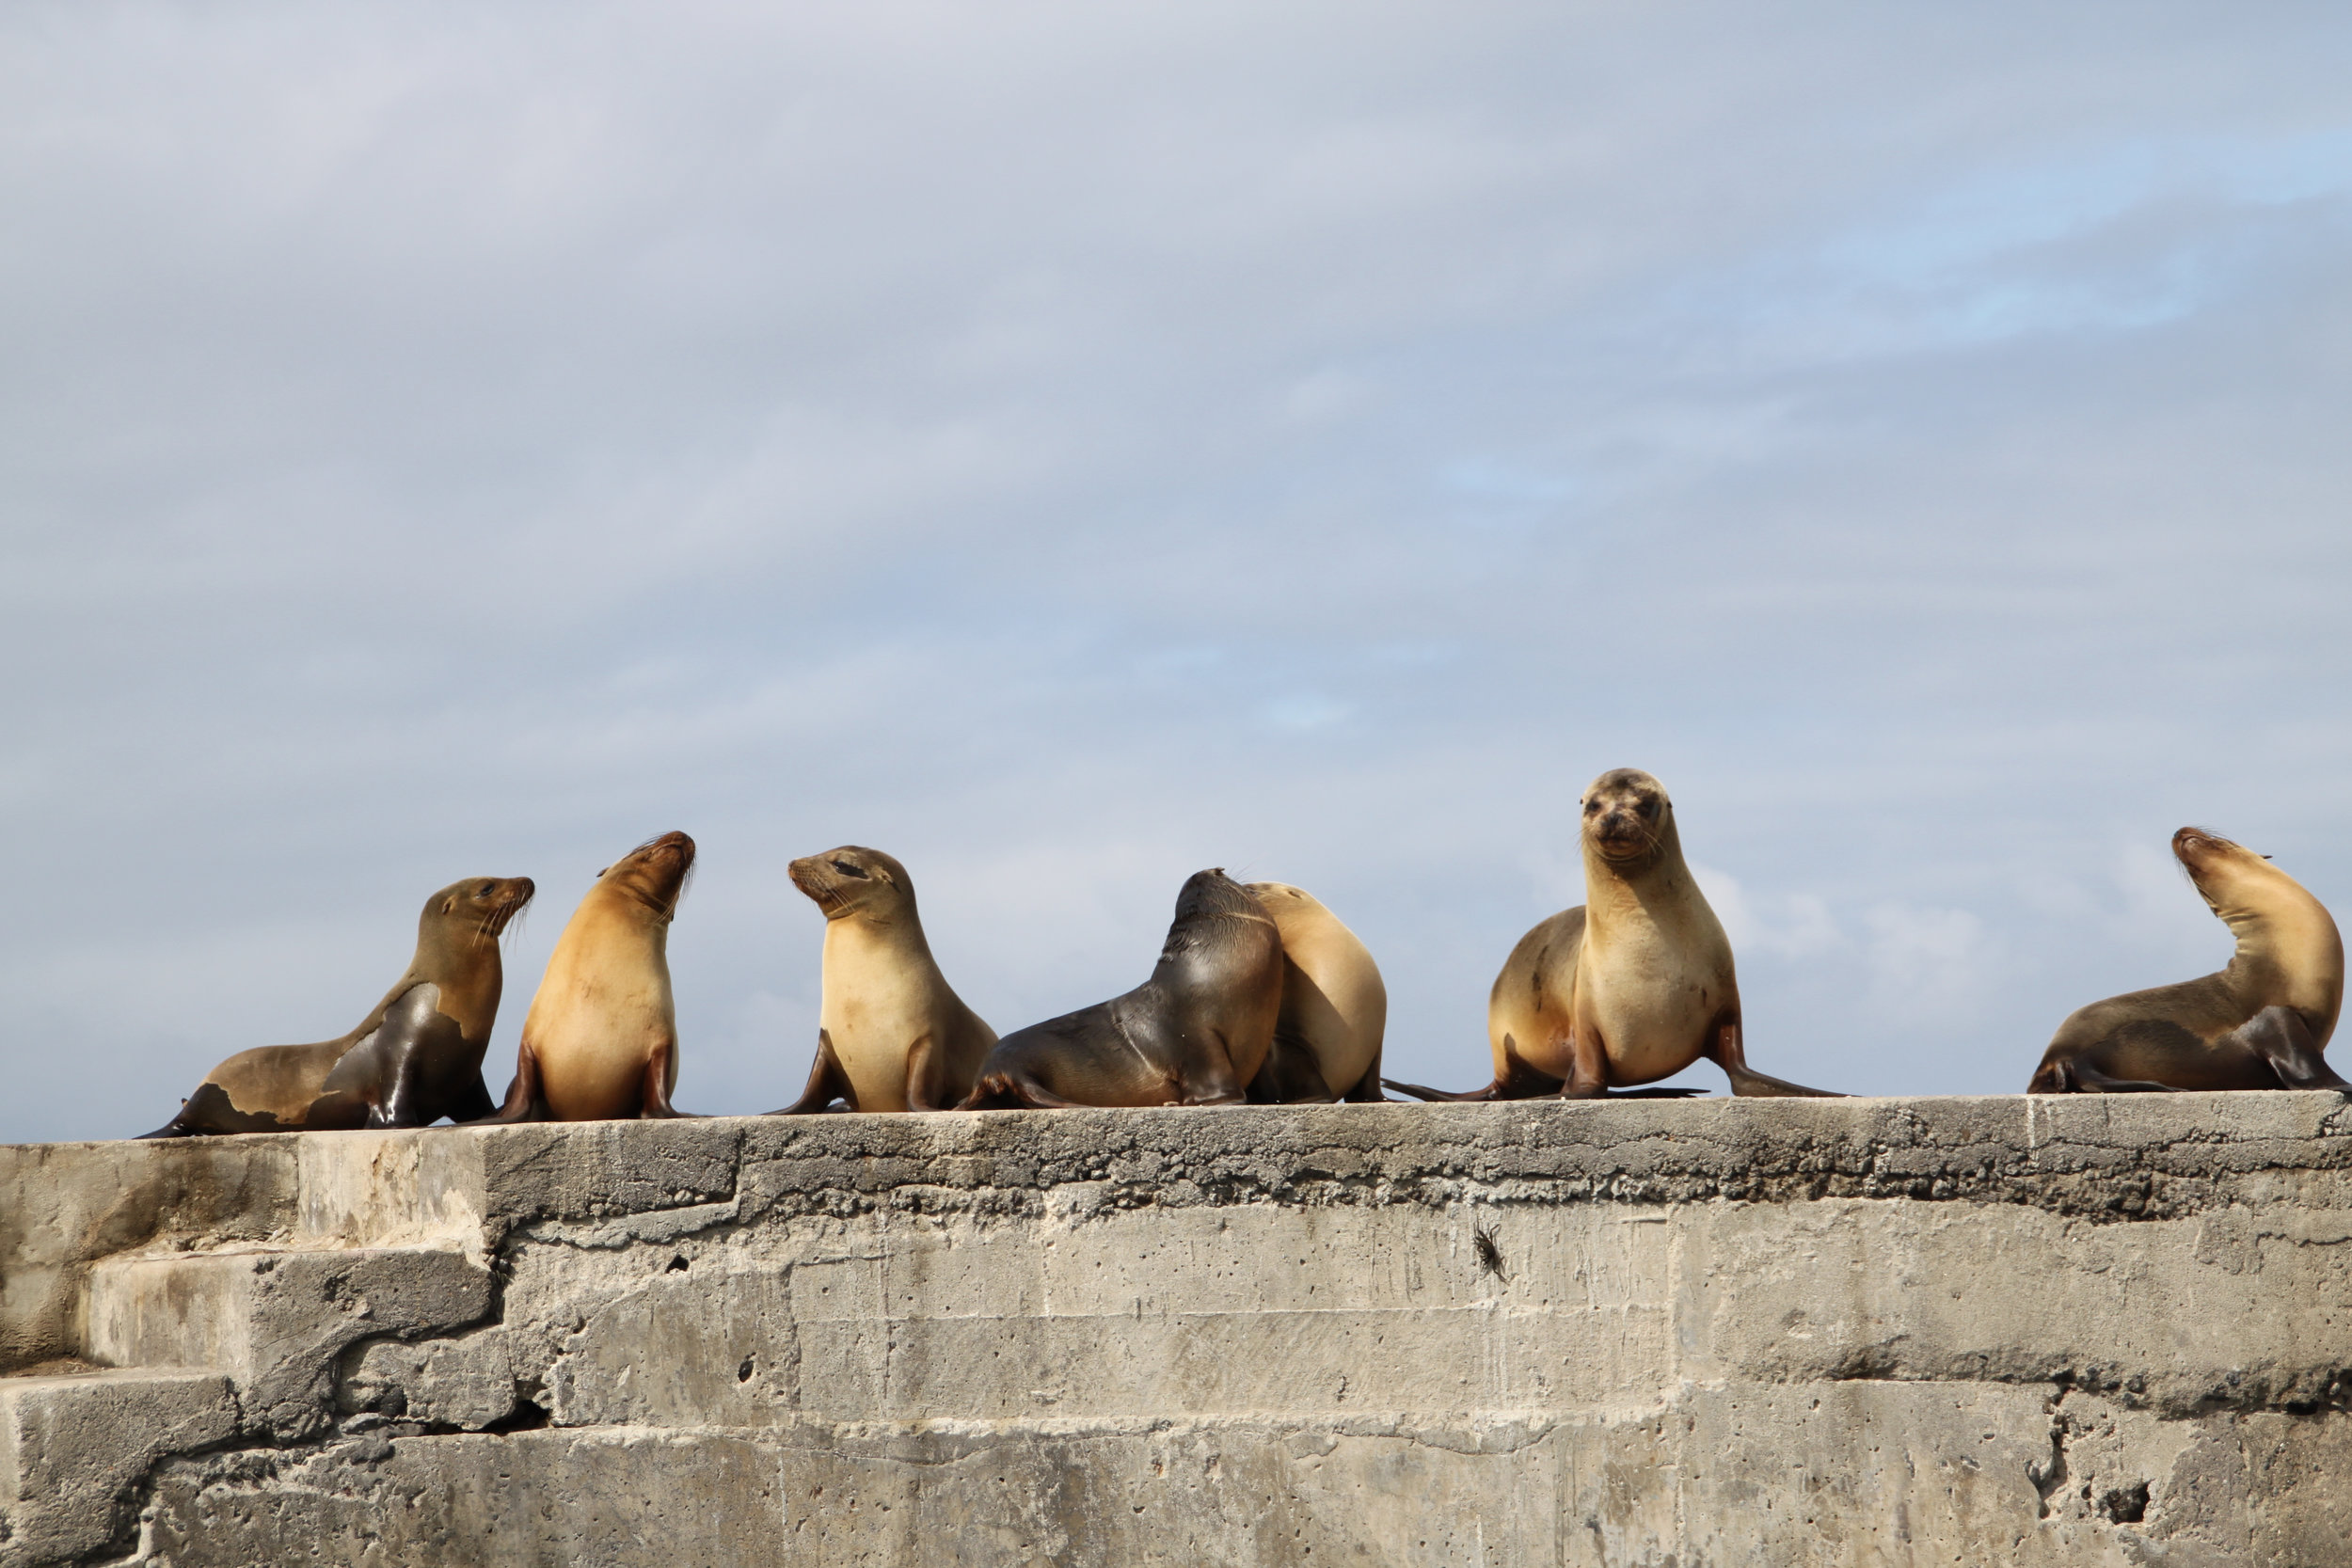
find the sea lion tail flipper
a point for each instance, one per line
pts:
(523, 1102)
(1421, 1092)
(175, 1128)
(654, 1098)
(827, 1083)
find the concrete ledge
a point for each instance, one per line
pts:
(1976, 1330)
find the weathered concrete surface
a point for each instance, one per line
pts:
(1975, 1331)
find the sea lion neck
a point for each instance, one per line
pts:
(1623, 888)
(2287, 946)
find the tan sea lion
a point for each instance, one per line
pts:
(892, 1035)
(600, 1040)
(1193, 1034)
(417, 1058)
(1335, 1009)
(2260, 1023)
(1631, 985)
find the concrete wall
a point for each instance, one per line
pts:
(1954, 1331)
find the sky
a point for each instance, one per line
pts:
(1068, 446)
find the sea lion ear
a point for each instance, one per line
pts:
(601, 870)
(449, 904)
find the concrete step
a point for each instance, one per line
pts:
(275, 1320)
(72, 1449)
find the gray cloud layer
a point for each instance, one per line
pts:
(1068, 446)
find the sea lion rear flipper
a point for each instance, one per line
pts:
(827, 1083)
(1422, 1092)
(1730, 1053)
(2279, 1037)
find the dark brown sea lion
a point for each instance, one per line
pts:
(1335, 1008)
(413, 1060)
(892, 1035)
(1193, 1034)
(600, 1040)
(2260, 1023)
(1633, 985)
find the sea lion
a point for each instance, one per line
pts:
(417, 1058)
(600, 1040)
(1335, 1009)
(2260, 1023)
(892, 1035)
(1193, 1034)
(1631, 985)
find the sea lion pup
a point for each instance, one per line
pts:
(600, 1040)
(892, 1035)
(1335, 1009)
(2260, 1023)
(1633, 985)
(413, 1060)
(1193, 1034)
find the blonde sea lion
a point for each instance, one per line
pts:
(600, 1040)
(2260, 1022)
(1193, 1034)
(892, 1035)
(1335, 1009)
(1631, 985)
(417, 1058)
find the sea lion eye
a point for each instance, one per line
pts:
(849, 870)
(1591, 806)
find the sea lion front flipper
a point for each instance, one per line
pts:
(472, 1102)
(655, 1104)
(1291, 1075)
(2089, 1079)
(1367, 1090)
(2279, 1037)
(523, 1100)
(1730, 1054)
(827, 1083)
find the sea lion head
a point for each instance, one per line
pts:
(1628, 821)
(2234, 881)
(1271, 895)
(474, 910)
(652, 876)
(854, 880)
(1212, 907)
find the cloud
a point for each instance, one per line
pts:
(1069, 446)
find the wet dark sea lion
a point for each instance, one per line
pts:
(892, 1033)
(1335, 1007)
(417, 1058)
(2260, 1022)
(1633, 985)
(1193, 1034)
(600, 1040)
